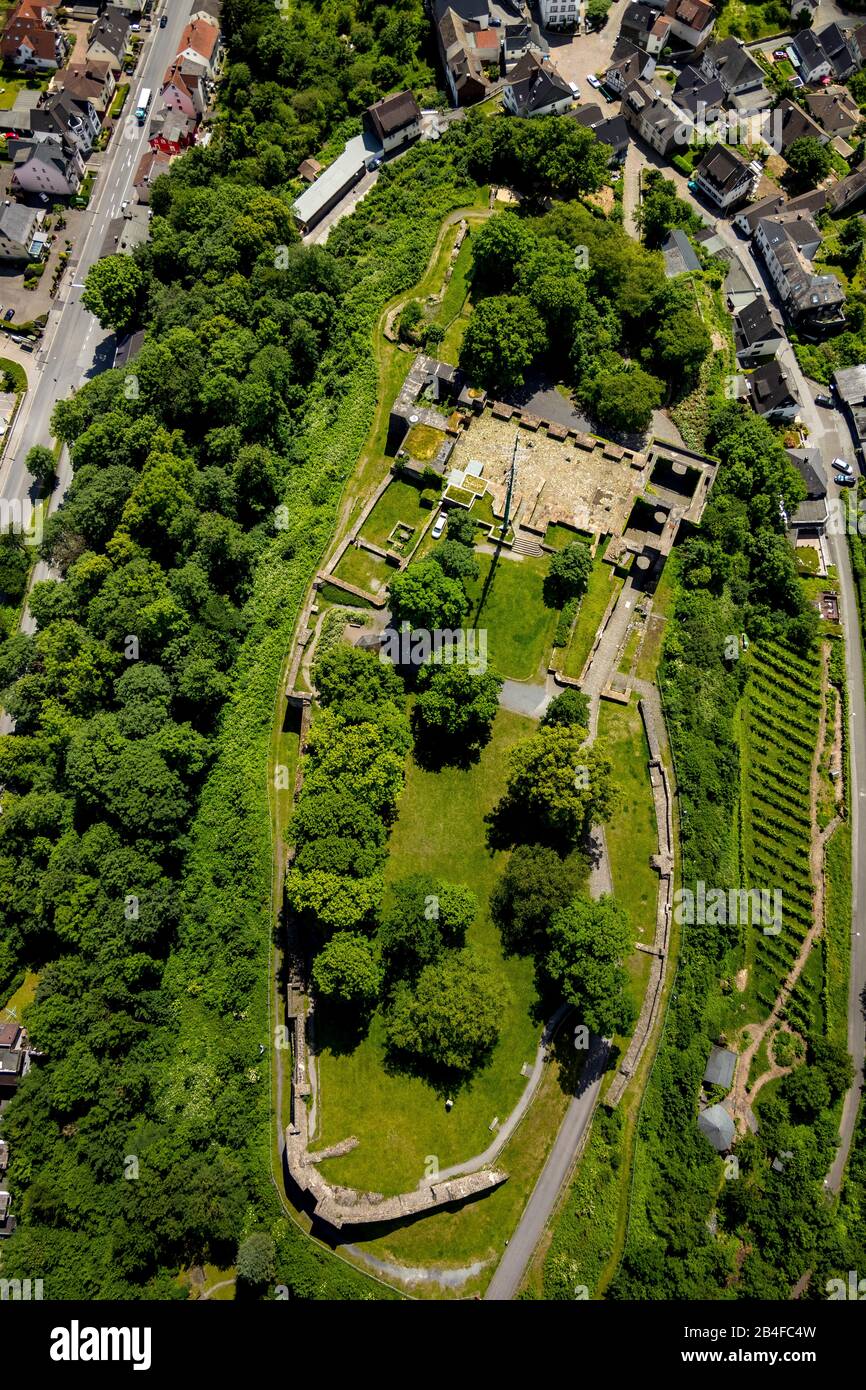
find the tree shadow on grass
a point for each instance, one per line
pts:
(338, 1029)
(445, 1082)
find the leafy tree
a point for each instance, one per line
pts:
(852, 236)
(571, 707)
(456, 560)
(568, 574)
(455, 710)
(41, 464)
(661, 210)
(451, 1020)
(807, 1091)
(411, 319)
(424, 597)
(596, 12)
(426, 916)
(536, 884)
(625, 400)
(256, 1260)
(680, 346)
(499, 250)
(347, 969)
(835, 1062)
(113, 292)
(461, 527)
(589, 941)
(335, 901)
(557, 783)
(808, 161)
(345, 673)
(504, 337)
(14, 566)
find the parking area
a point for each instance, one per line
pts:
(28, 304)
(577, 55)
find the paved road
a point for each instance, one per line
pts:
(555, 1173)
(74, 347)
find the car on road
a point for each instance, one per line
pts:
(593, 80)
(844, 480)
(10, 314)
(439, 525)
(163, 20)
(825, 401)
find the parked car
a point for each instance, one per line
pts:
(439, 525)
(844, 480)
(842, 466)
(10, 314)
(163, 20)
(593, 80)
(43, 198)
(825, 401)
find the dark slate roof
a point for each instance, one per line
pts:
(809, 49)
(717, 1126)
(720, 1067)
(757, 322)
(679, 254)
(394, 113)
(723, 168)
(770, 389)
(808, 464)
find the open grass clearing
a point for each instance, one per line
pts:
(399, 1119)
(511, 608)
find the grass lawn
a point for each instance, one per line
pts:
(423, 442)
(398, 1119)
(602, 584)
(748, 21)
(455, 310)
(400, 502)
(560, 536)
(331, 594)
(9, 89)
(364, 569)
(16, 371)
(519, 627)
(24, 995)
(836, 943)
(631, 834)
(663, 600)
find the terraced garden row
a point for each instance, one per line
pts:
(780, 723)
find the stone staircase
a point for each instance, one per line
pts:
(525, 544)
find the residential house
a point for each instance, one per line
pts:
(14, 1060)
(183, 90)
(771, 393)
(206, 9)
(835, 111)
(788, 123)
(108, 39)
(679, 254)
(847, 192)
(395, 120)
(758, 332)
(724, 176)
(171, 132)
(67, 116)
(811, 517)
(32, 38)
(628, 64)
(610, 130)
(748, 218)
(152, 164)
(477, 39)
(535, 88)
(850, 384)
(703, 100)
(200, 44)
(841, 50)
(644, 28)
(813, 61)
(560, 14)
(51, 165)
(658, 122)
(7, 1220)
(691, 21)
(94, 82)
(812, 302)
(739, 74)
(309, 169)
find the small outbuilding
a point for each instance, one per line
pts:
(720, 1068)
(717, 1127)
